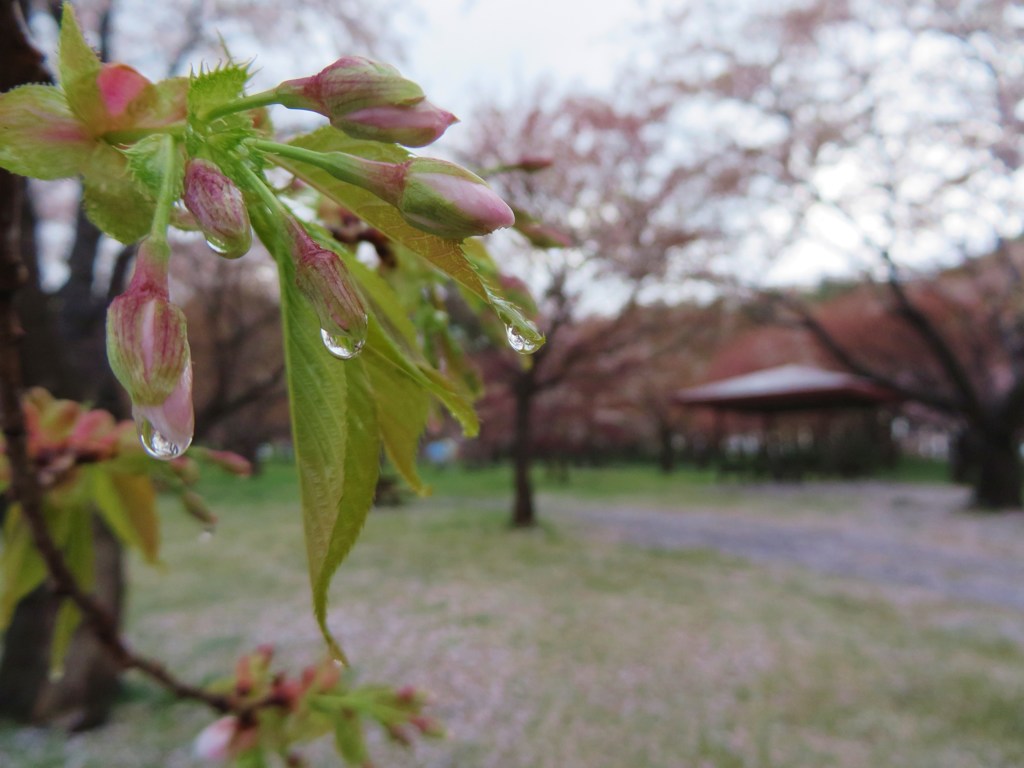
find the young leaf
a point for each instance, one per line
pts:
(146, 164)
(128, 505)
(79, 67)
(39, 137)
(79, 556)
(336, 435)
(212, 88)
(21, 567)
(402, 409)
(114, 202)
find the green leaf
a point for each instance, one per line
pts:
(128, 505)
(211, 88)
(39, 137)
(21, 567)
(146, 164)
(403, 354)
(114, 201)
(79, 556)
(445, 255)
(349, 739)
(402, 409)
(79, 65)
(336, 435)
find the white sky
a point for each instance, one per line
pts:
(468, 48)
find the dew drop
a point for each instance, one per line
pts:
(155, 444)
(205, 536)
(56, 673)
(342, 346)
(216, 245)
(520, 343)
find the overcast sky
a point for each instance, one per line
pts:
(466, 48)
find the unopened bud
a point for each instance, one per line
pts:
(214, 742)
(350, 84)
(324, 280)
(219, 208)
(146, 338)
(412, 125)
(447, 200)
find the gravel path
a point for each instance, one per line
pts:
(887, 534)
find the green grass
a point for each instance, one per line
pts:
(545, 649)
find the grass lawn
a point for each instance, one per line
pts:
(544, 649)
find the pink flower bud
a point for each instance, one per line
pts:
(447, 200)
(412, 125)
(224, 739)
(322, 277)
(219, 208)
(214, 742)
(119, 86)
(146, 339)
(350, 84)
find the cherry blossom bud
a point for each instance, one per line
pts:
(447, 200)
(412, 125)
(147, 347)
(146, 339)
(324, 280)
(214, 742)
(224, 739)
(219, 208)
(350, 84)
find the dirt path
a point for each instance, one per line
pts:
(887, 534)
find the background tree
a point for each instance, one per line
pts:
(882, 139)
(624, 213)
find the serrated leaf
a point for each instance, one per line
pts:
(128, 505)
(445, 255)
(113, 200)
(79, 65)
(402, 409)
(39, 137)
(79, 557)
(147, 164)
(335, 431)
(211, 88)
(21, 567)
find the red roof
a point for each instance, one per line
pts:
(787, 388)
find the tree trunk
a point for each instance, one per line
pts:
(523, 512)
(666, 450)
(83, 696)
(997, 473)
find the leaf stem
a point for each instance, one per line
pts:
(241, 105)
(132, 135)
(382, 179)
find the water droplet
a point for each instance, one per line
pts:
(155, 444)
(523, 344)
(216, 245)
(56, 673)
(343, 346)
(206, 536)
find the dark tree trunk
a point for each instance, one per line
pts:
(997, 472)
(523, 512)
(666, 449)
